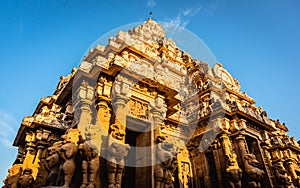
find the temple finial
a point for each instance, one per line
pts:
(150, 13)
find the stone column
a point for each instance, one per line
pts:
(120, 95)
(226, 143)
(184, 169)
(214, 147)
(120, 109)
(31, 160)
(158, 114)
(83, 98)
(117, 149)
(292, 172)
(104, 114)
(157, 110)
(242, 144)
(243, 149)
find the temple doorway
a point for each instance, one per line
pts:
(138, 155)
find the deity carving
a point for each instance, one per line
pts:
(234, 173)
(53, 163)
(166, 164)
(26, 180)
(186, 175)
(117, 151)
(117, 131)
(90, 163)
(13, 177)
(276, 140)
(50, 112)
(115, 163)
(283, 179)
(139, 109)
(67, 153)
(254, 174)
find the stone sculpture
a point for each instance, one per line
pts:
(90, 163)
(283, 179)
(13, 177)
(67, 153)
(233, 172)
(117, 151)
(26, 180)
(115, 164)
(254, 174)
(53, 163)
(166, 164)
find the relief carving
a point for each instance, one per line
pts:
(67, 153)
(233, 172)
(186, 175)
(115, 163)
(26, 180)
(139, 109)
(117, 151)
(53, 163)
(167, 164)
(254, 174)
(13, 177)
(90, 163)
(283, 179)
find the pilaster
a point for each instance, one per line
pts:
(83, 98)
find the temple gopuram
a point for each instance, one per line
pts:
(142, 113)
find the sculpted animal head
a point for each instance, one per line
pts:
(251, 159)
(251, 167)
(117, 131)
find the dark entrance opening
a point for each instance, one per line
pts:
(212, 170)
(139, 154)
(129, 177)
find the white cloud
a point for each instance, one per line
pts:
(7, 128)
(151, 3)
(182, 19)
(191, 11)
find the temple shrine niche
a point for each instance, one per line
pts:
(142, 113)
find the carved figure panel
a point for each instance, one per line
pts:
(139, 109)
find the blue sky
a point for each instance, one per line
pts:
(258, 42)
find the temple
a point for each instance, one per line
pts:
(142, 113)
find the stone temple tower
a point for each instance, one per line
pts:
(142, 113)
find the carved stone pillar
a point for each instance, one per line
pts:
(117, 149)
(184, 169)
(83, 106)
(120, 110)
(98, 133)
(226, 143)
(32, 155)
(120, 94)
(215, 148)
(104, 114)
(157, 111)
(242, 144)
(233, 172)
(290, 165)
(158, 114)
